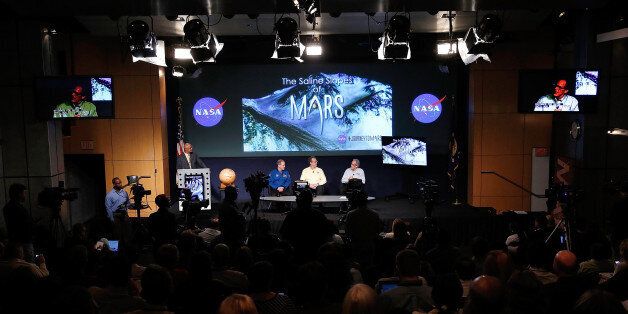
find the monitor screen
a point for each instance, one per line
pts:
(74, 97)
(404, 151)
(196, 184)
(558, 91)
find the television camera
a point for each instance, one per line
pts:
(138, 191)
(429, 192)
(567, 196)
(52, 198)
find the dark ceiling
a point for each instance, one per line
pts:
(105, 17)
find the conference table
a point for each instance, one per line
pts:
(320, 199)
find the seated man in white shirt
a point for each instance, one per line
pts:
(353, 172)
(314, 176)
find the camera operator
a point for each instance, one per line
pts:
(18, 221)
(116, 199)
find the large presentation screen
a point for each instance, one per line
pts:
(304, 109)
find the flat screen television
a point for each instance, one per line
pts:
(74, 97)
(558, 91)
(410, 151)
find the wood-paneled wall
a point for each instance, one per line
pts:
(135, 142)
(500, 139)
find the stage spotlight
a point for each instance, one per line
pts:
(446, 48)
(142, 41)
(617, 132)
(480, 39)
(178, 71)
(396, 39)
(182, 53)
(287, 42)
(204, 46)
(314, 48)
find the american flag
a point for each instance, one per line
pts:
(180, 137)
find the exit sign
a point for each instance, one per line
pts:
(87, 145)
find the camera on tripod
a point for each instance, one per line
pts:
(138, 191)
(256, 182)
(53, 197)
(429, 191)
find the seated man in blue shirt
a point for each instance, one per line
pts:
(279, 180)
(116, 199)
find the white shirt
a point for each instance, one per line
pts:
(313, 176)
(549, 103)
(349, 174)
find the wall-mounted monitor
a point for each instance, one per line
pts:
(558, 91)
(74, 97)
(408, 151)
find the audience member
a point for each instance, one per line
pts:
(498, 264)
(623, 257)
(115, 296)
(267, 301)
(412, 292)
(598, 301)
(525, 294)
(162, 223)
(232, 223)
(311, 289)
(360, 299)
(563, 293)
(362, 226)
(237, 304)
(447, 293)
(200, 293)
(539, 261)
(18, 221)
(339, 278)
(233, 279)
(305, 228)
(444, 256)
(486, 296)
(156, 289)
(14, 255)
(479, 249)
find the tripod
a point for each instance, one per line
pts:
(57, 228)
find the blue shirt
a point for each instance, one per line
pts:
(115, 200)
(279, 178)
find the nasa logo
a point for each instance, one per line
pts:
(208, 111)
(342, 138)
(426, 108)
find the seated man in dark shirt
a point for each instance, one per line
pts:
(163, 226)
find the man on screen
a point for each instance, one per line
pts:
(353, 172)
(189, 160)
(559, 101)
(279, 179)
(314, 176)
(78, 107)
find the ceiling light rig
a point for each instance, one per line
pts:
(287, 42)
(479, 39)
(450, 46)
(204, 46)
(396, 39)
(142, 40)
(313, 47)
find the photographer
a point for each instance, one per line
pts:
(116, 199)
(18, 221)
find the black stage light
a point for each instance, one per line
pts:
(396, 39)
(142, 41)
(204, 46)
(287, 42)
(178, 71)
(480, 39)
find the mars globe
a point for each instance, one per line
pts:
(227, 177)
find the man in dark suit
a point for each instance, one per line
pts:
(189, 160)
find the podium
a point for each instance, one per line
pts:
(197, 180)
